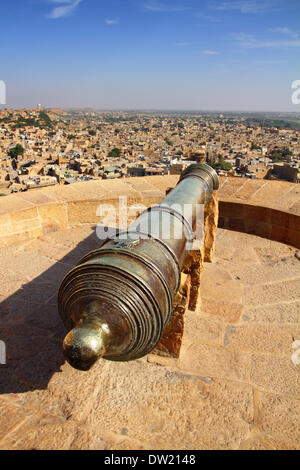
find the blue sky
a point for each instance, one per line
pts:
(146, 54)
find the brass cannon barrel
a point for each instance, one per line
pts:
(117, 301)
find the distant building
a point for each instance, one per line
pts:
(40, 181)
(154, 171)
(198, 156)
(135, 171)
(71, 181)
(286, 172)
(176, 169)
(240, 161)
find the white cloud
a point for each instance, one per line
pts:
(209, 52)
(245, 6)
(182, 44)
(66, 8)
(278, 44)
(157, 6)
(284, 30)
(112, 21)
(269, 62)
(242, 37)
(249, 41)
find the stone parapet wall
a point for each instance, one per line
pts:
(262, 221)
(270, 209)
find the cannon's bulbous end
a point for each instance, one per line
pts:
(83, 346)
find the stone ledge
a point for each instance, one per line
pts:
(266, 222)
(270, 209)
(234, 385)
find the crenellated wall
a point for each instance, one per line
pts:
(270, 209)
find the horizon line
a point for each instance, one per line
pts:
(149, 110)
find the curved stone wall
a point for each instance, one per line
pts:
(270, 209)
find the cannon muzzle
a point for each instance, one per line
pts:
(118, 300)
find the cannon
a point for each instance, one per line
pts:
(117, 301)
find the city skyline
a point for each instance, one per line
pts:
(170, 55)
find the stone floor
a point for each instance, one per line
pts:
(234, 386)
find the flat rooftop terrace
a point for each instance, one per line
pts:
(234, 385)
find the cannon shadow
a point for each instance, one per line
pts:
(31, 328)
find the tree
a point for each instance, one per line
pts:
(222, 165)
(287, 153)
(16, 151)
(45, 120)
(255, 147)
(115, 153)
(276, 156)
(244, 169)
(92, 132)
